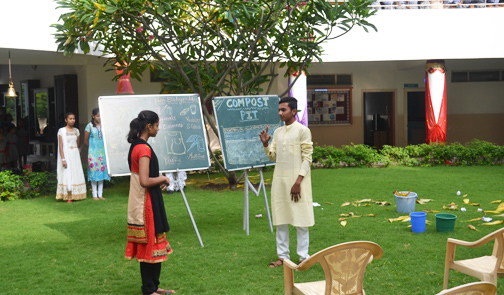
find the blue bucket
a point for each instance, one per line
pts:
(418, 221)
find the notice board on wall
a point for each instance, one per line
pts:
(240, 120)
(330, 106)
(181, 143)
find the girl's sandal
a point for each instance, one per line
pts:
(163, 291)
(279, 262)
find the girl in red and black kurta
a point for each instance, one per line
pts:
(147, 223)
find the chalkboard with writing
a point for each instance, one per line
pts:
(240, 119)
(181, 143)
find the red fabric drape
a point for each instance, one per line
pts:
(436, 131)
(124, 84)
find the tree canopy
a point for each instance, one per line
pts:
(217, 47)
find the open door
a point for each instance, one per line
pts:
(379, 119)
(416, 117)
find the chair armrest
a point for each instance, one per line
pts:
(290, 264)
(474, 244)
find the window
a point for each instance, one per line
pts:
(478, 76)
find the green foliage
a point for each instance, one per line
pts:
(222, 46)
(214, 165)
(10, 186)
(484, 153)
(392, 155)
(327, 156)
(41, 183)
(359, 155)
(41, 105)
(476, 152)
(212, 48)
(49, 245)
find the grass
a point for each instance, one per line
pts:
(51, 247)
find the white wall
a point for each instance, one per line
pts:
(43, 73)
(462, 98)
(402, 34)
(96, 82)
(26, 24)
(423, 34)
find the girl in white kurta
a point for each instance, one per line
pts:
(291, 193)
(71, 183)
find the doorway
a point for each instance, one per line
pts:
(379, 119)
(416, 117)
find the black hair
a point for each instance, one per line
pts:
(138, 124)
(10, 126)
(68, 115)
(94, 113)
(291, 101)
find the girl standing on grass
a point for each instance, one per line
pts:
(71, 183)
(97, 163)
(147, 223)
(3, 161)
(23, 143)
(11, 152)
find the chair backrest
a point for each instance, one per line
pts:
(498, 249)
(344, 265)
(478, 288)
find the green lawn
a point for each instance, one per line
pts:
(50, 247)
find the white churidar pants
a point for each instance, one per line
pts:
(97, 187)
(282, 240)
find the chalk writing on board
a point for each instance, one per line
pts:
(180, 143)
(240, 119)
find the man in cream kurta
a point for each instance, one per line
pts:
(291, 194)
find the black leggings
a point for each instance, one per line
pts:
(150, 277)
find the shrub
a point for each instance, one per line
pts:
(41, 183)
(484, 153)
(476, 152)
(328, 156)
(214, 165)
(397, 155)
(360, 155)
(11, 186)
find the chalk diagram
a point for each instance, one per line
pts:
(197, 141)
(175, 143)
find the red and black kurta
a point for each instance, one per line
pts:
(143, 241)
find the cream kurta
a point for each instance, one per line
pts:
(291, 148)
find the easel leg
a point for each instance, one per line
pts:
(266, 200)
(189, 211)
(246, 204)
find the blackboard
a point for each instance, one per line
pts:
(181, 143)
(240, 119)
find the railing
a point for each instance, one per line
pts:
(438, 4)
(433, 4)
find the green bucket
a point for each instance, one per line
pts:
(445, 222)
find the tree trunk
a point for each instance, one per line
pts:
(233, 180)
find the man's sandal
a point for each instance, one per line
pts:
(163, 291)
(279, 262)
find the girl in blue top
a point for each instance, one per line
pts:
(97, 163)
